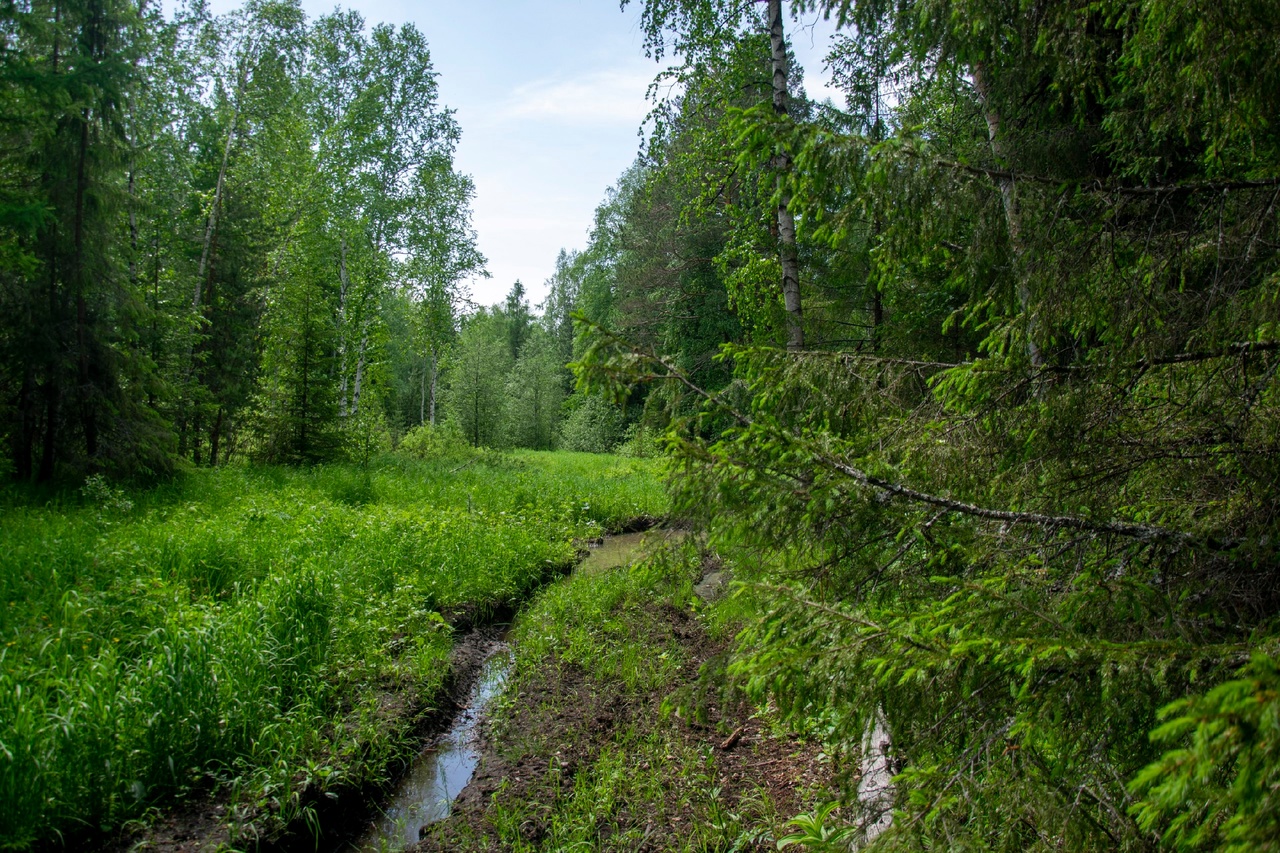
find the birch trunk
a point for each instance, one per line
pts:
(430, 371)
(360, 358)
(435, 376)
(1012, 211)
(782, 164)
(211, 224)
(133, 230)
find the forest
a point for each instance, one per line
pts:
(969, 383)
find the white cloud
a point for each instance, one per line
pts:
(600, 97)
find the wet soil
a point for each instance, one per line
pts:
(571, 717)
(441, 771)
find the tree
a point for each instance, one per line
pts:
(476, 389)
(1027, 518)
(706, 33)
(298, 406)
(69, 70)
(515, 314)
(534, 392)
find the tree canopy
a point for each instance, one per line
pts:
(1014, 501)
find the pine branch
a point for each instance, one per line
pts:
(1095, 185)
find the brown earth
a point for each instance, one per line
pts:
(562, 719)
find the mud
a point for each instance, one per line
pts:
(570, 717)
(441, 771)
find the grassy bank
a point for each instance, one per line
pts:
(260, 629)
(617, 733)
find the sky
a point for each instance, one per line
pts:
(550, 96)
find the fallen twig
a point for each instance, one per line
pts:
(732, 740)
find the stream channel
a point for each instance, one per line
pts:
(437, 776)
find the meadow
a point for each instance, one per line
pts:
(269, 632)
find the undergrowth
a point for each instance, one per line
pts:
(595, 758)
(262, 629)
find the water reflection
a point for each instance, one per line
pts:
(439, 774)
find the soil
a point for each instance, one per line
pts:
(571, 717)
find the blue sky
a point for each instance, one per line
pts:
(550, 96)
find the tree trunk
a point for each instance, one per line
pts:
(215, 439)
(782, 164)
(360, 362)
(211, 223)
(344, 289)
(49, 449)
(26, 428)
(133, 231)
(1012, 211)
(85, 390)
(435, 375)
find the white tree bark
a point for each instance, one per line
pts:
(1012, 211)
(344, 289)
(789, 255)
(360, 362)
(211, 223)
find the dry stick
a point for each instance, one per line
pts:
(732, 740)
(767, 763)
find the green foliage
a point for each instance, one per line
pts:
(477, 380)
(201, 222)
(431, 442)
(1022, 502)
(1216, 787)
(595, 426)
(535, 392)
(239, 626)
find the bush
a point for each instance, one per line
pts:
(434, 441)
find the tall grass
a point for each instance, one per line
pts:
(246, 626)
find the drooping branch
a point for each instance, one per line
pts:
(640, 358)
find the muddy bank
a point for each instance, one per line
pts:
(561, 722)
(439, 773)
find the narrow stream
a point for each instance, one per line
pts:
(441, 771)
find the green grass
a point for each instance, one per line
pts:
(645, 783)
(246, 626)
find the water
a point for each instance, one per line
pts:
(624, 549)
(440, 773)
